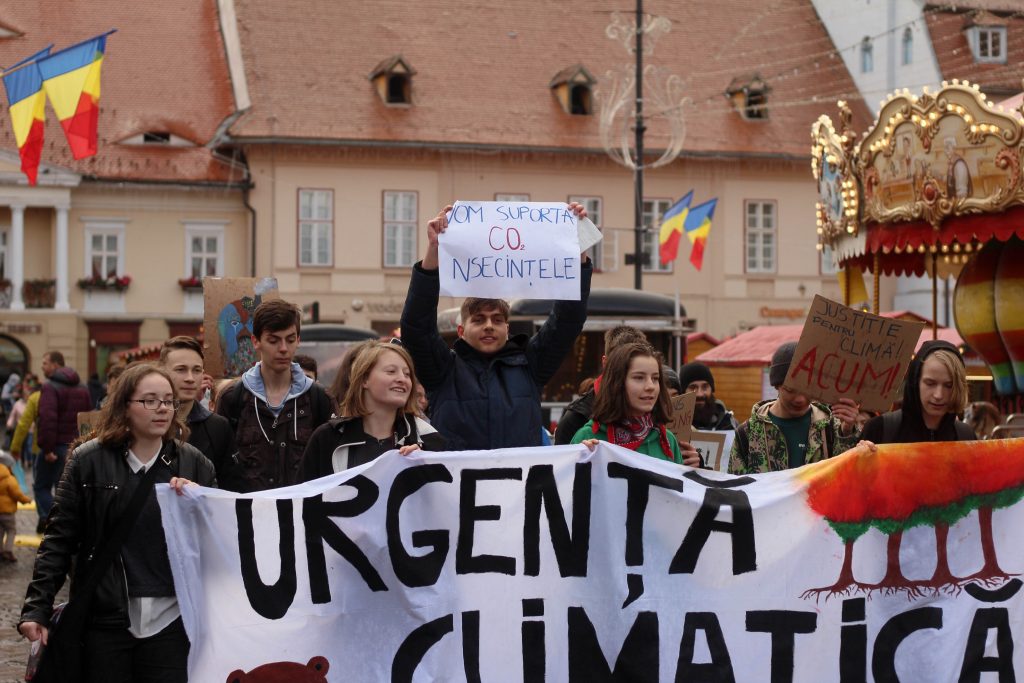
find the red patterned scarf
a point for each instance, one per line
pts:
(633, 431)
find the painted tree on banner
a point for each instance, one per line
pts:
(907, 485)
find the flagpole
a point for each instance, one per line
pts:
(36, 56)
(678, 332)
(83, 42)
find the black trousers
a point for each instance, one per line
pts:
(116, 656)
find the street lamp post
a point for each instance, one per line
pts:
(617, 119)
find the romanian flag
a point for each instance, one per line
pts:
(71, 78)
(698, 225)
(24, 85)
(672, 229)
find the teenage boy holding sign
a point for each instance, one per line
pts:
(485, 391)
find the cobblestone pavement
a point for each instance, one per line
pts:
(14, 578)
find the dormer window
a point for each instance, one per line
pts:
(574, 89)
(393, 80)
(158, 137)
(986, 34)
(749, 96)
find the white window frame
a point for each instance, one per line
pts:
(907, 46)
(500, 197)
(204, 229)
(105, 227)
(652, 223)
(825, 264)
(981, 36)
(399, 229)
(595, 212)
(754, 234)
(867, 56)
(324, 226)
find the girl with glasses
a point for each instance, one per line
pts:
(131, 629)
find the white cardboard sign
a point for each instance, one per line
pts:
(507, 250)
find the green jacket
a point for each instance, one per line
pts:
(651, 445)
(761, 447)
(25, 424)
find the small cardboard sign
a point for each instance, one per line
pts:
(87, 422)
(682, 416)
(507, 250)
(228, 304)
(847, 353)
(714, 447)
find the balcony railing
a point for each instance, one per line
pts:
(36, 293)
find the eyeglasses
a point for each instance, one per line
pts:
(155, 403)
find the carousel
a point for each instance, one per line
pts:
(935, 187)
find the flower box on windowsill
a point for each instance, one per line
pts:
(117, 284)
(39, 293)
(191, 284)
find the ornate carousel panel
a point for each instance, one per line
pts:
(935, 156)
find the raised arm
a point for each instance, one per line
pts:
(420, 336)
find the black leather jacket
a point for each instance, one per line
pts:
(86, 508)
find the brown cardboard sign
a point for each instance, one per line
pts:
(87, 422)
(228, 304)
(846, 353)
(682, 416)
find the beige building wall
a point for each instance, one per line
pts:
(358, 290)
(155, 223)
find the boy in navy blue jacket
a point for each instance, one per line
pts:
(485, 391)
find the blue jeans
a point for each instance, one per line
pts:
(45, 476)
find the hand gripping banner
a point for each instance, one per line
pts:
(562, 564)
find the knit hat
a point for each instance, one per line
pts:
(695, 372)
(671, 378)
(781, 359)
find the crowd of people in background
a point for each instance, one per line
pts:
(274, 426)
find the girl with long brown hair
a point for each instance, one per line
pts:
(130, 622)
(378, 414)
(633, 408)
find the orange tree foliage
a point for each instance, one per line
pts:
(905, 485)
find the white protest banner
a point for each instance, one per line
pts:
(504, 250)
(564, 564)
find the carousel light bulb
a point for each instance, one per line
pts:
(820, 231)
(945, 84)
(956, 81)
(931, 249)
(974, 129)
(933, 115)
(956, 247)
(968, 247)
(920, 249)
(945, 259)
(945, 248)
(899, 249)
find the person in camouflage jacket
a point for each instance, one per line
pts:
(760, 446)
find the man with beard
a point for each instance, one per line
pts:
(709, 414)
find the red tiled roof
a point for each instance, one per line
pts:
(483, 71)
(946, 26)
(698, 336)
(756, 346)
(164, 70)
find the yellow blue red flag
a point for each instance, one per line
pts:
(27, 106)
(71, 79)
(672, 228)
(697, 226)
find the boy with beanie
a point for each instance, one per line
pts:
(709, 414)
(791, 430)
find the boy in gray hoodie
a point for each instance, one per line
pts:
(274, 408)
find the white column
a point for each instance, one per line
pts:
(62, 259)
(17, 256)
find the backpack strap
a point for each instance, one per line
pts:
(232, 402)
(891, 425)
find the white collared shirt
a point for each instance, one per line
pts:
(149, 616)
